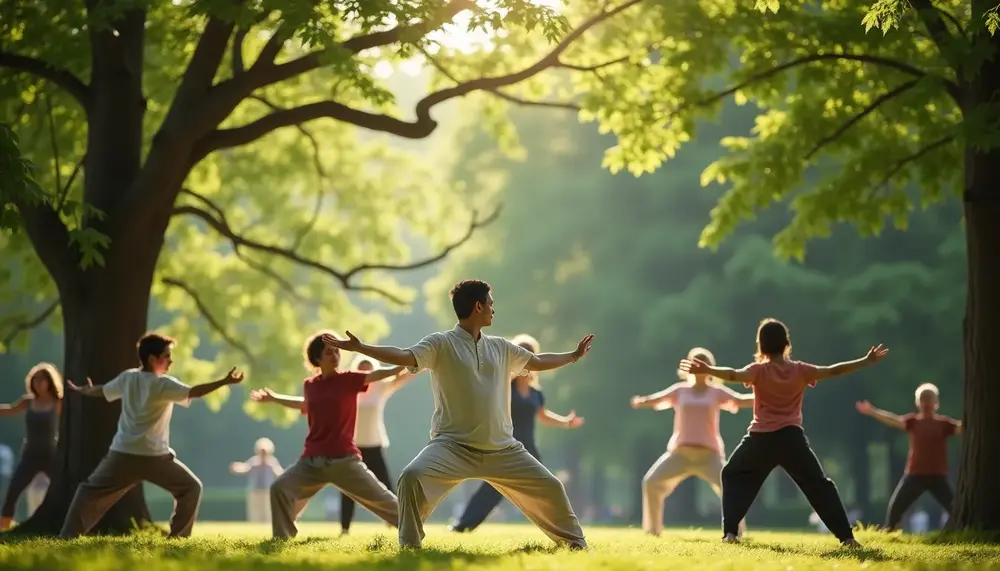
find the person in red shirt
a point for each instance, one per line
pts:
(330, 402)
(927, 461)
(775, 436)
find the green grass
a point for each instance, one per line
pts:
(239, 547)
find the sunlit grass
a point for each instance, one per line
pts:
(233, 547)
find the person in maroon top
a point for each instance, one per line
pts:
(330, 402)
(927, 461)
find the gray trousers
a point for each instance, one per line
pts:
(295, 486)
(443, 464)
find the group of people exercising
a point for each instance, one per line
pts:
(486, 405)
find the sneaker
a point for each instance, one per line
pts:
(457, 528)
(730, 538)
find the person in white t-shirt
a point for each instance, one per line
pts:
(472, 433)
(370, 434)
(141, 449)
(262, 470)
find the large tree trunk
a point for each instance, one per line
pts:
(977, 503)
(101, 330)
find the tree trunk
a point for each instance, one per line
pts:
(100, 337)
(977, 503)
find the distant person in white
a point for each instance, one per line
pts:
(36, 492)
(920, 522)
(6, 467)
(263, 469)
(370, 434)
(141, 449)
(471, 429)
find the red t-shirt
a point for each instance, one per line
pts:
(928, 454)
(332, 410)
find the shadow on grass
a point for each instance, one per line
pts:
(862, 554)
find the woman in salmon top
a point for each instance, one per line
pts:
(775, 437)
(927, 461)
(696, 447)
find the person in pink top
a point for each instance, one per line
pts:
(775, 437)
(696, 447)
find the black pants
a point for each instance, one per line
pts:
(485, 500)
(374, 458)
(761, 452)
(910, 488)
(28, 466)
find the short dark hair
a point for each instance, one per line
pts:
(152, 345)
(466, 294)
(313, 351)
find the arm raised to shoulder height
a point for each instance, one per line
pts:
(885, 417)
(549, 361)
(873, 356)
(384, 353)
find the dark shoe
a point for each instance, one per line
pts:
(457, 528)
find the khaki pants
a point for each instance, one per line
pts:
(259, 506)
(117, 474)
(443, 464)
(292, 490)
(670, 470)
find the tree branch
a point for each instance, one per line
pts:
(475, 225)
(506, 97)
(284, 284)
(54, 142)
(59, 76)
(950, 86)
(343, 277)
(903, 162)
(864, 113)
(207, 315)
(938, 31)
(237, 51)
(27, 324)
(265, 75)
(64, 192)
(424, 124)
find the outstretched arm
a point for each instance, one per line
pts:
(885, 417)
(239, 467)
(287, 401)
(698, 367)
(231, 378)
(382, 374)
(654, 400)
(549, 418)
(549, 361)
(829, 371)
(16, 406)
(88, 390)
(384, 353)
(402, 377)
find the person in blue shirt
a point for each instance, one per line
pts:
(527, 404)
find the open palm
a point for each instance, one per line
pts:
(876, 353)
(584, 346)
(352, 343)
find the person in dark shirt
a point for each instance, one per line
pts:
(927, 460)
(42, 406)
(527, 403)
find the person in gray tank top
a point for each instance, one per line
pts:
(41, 405)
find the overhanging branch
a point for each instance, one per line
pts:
(207, 315)
(916, 155)
(887, 96)
(343, 277)
(27, 324)
(505, 96)
(59, 76)
(938, 31)
(420, 128)
(906, 68)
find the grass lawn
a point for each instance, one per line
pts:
(239, 547)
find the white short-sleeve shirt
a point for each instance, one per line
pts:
(369, 431)
(147, 404)
(470, 381)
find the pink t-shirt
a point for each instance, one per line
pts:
(696, 414)
(778, 390)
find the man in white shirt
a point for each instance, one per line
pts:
(471, 432)
(141, 449)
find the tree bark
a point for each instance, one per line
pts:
(977, 503)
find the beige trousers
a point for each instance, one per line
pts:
(443, 464)
(259, 506)
(294, 487)
(117, 474)
(670, 470)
